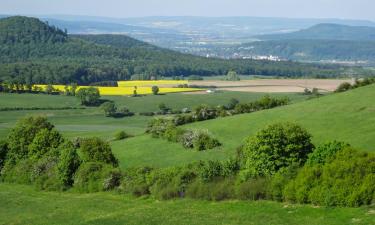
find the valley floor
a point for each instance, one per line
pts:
(23, 205)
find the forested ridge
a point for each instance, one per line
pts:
(312, 49)
(34, 52)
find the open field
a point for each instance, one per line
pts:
(22, 205)
(273, 85)
(345, 117)
(92, 122)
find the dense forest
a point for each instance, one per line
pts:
(34, 52)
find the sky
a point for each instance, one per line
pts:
(345, 9)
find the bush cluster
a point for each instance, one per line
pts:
(199, 140)
(358, 83)
(36, 153)
(279, 163)
(205, 112)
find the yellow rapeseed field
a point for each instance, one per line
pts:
(129, 90)
(148, 83)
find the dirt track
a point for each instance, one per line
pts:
(273, 85)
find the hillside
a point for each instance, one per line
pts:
(312, 50)
(33, 52)
(327, 31)
(344, 117)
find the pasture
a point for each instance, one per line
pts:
(347, 117)
(90, 121)
(23, 205)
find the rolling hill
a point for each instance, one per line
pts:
(344, 117)
(311, 50)
(34, 52)
(327, 31)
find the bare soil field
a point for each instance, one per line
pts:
(273, 85)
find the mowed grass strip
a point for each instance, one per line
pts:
(23, 205)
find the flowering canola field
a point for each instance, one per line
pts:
(128, 87)
(148, 83)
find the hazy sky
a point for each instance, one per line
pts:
(353, 9)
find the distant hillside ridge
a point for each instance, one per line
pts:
(327, 31)
(32, 52)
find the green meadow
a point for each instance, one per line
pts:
(23, 205)
(347, 117)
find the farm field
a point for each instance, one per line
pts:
(273, 85)
(127, 90)
(23, 205)
(344, 117)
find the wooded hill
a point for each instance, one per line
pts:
(31, 51)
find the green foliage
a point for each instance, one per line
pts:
(121, 135)
(232, 76)
(216, 190)
(253, 189)
(232, 103)
(3, 153)
(95, 176)
(346, 180)
(155, 90)
(88, 96)
(197, 139)
(96, 150)
(23, 134)
(135, 181)
(202, 140)
(45, 141)
(68, 164)
(343, 87)
(109, 108)
(277, 146)
(324, 152)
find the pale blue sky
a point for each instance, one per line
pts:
(348, 9)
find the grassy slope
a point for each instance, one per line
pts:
(23, 205)
(345, 117)
(91, 122)
(181, 100)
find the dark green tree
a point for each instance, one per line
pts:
(88, 96)
(96, 150)
(155, 90)
(23, 134)
(68, 164)
(277, 146)
(109, 108)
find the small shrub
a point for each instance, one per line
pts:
(93, 177)
(343, 87)
(324, 152)
(155, 90)
(121, 135)
(134, 181)
(253, 189)
(96, 150)
(109, 108)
